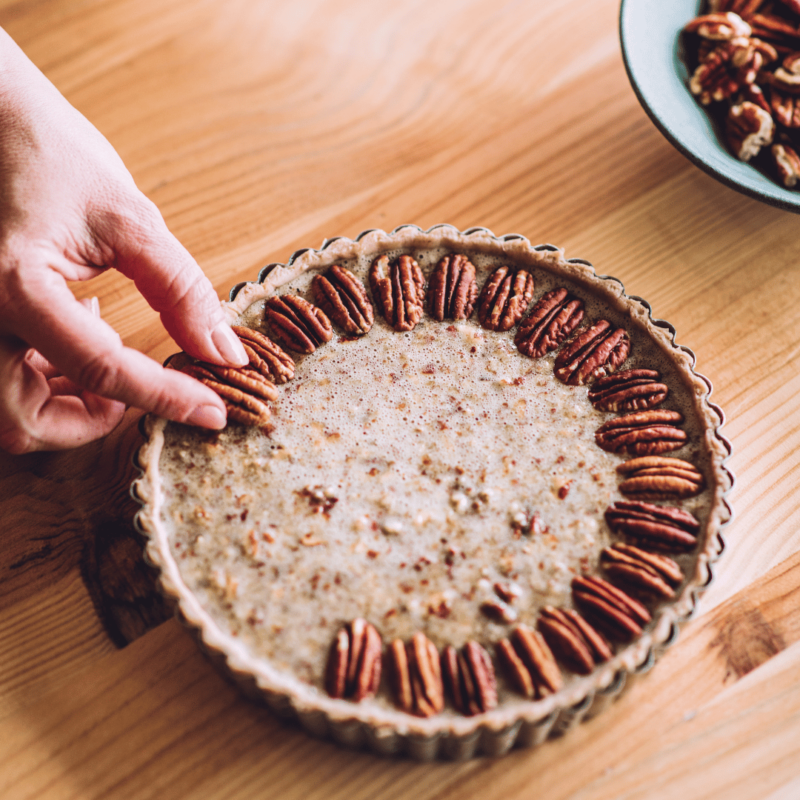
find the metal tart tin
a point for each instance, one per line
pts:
(495, 732)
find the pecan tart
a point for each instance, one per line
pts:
(467, 491)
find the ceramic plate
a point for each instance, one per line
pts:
(650, 36)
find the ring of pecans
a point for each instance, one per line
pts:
(422, 677)
(745, 62)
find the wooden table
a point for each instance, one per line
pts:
(261, 126)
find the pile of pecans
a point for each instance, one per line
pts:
(745, 57)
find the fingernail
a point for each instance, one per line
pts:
(228, 345)
(93, 304)
(207, 417)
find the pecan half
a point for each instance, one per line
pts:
(787, 79)
(719, 26)
(787, 163)
(597, 351)
(398, 289)
(416, 676)
(573, 640)
(617, 613)
(529, 663)
(265, 356)
(244, 391)
(753, 93)
(767, 51)
(629, 390)
(747, 129)
(642, 433)
(505, 298)
(647, 572)
(343, 297)
(748, 60)
(553, 317)
(452, 289)
(243, 379)
(740, 7)
(775, 30)
(667, 526)
(784, 108)
(296, 323)
(469, 677)
(354, 662)
(715, 77)
(654, 477)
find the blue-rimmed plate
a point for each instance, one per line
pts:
(650, 36)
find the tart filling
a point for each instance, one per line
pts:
(469, 506)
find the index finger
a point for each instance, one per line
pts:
(170, 280)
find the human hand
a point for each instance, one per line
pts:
(69, 209)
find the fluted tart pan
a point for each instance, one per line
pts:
(412, 547)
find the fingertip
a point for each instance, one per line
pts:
(228, 346)
(207, 417)
(190, 401)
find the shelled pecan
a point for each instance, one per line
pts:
(297, 324)
(398, 289)
(245, 390)
(747, 7)
(552, 319)
(666, 526)
(452, 289)
(642, 433)
(416, 676)
(505, 298)
(470, 679)
(265, 356)
(243, 379)
(529, 663)
(654, 477)
(787, 163)
(628, 390)
(786, 77)
(573, 640)
(753, 93)
(615, 612)
(343, 297)
(785, 109)
(597, 351)
(721, 26)
(776, 30)
(641, 570)
(748, 128)
(354, 662)
(715, 78)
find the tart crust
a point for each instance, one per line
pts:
(515, 721)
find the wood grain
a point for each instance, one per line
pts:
(180, 729)
(261, 126)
